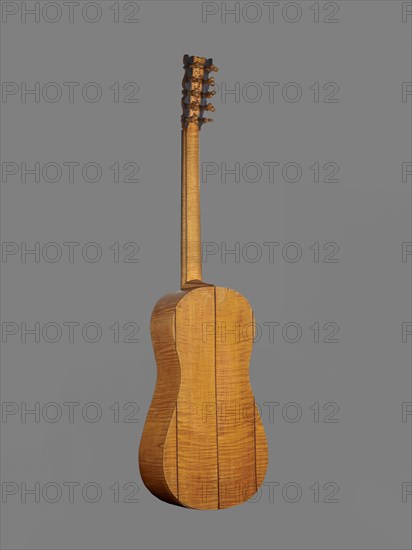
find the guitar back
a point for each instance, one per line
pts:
(203, 444)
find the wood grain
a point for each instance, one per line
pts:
(154, 464)
(203, 444)
(197, 455)
(191, 255)
(235, 401)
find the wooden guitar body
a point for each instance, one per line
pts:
(203, 444)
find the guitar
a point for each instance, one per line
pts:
(203, 444)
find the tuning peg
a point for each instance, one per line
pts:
(209, 94)
(209, 107)
(204, 120)
(211, 68)
(209, 81)
(189, 119)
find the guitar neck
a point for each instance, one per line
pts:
(191, 259)
(195, 84)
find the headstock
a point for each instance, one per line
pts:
(196, 82)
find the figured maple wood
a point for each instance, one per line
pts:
(203, 444)
(236, 404)
(196, 435)
(191, 258)
(154, 462)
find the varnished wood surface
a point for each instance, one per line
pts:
(191, 258)
(156, 462)
(203, 444)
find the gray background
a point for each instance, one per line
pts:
(365, 375)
